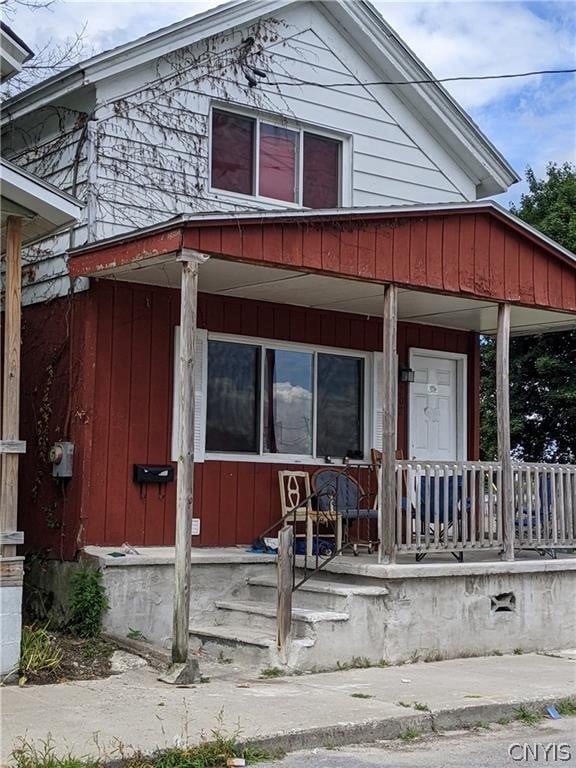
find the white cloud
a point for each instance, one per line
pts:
(488, 38)
(530, 120)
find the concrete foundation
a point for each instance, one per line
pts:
(357, 609)
(10, 615)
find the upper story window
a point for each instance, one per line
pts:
(253, 157)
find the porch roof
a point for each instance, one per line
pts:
(453, 259)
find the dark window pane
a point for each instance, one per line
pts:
(288, 378)
(232, 408)
(340, 417)
(232, 152)
(321, 172)
(278, 152)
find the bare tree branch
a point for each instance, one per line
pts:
(53, 57)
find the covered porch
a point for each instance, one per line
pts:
(423, 283)
(403, 296)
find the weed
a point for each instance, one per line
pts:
(135, 634)
(359, 662)
(527, 716)
(473, 696)
(38, 652)
(409, 734)
(271, 672)
(361, 696)
(87, 602)
(224, 659)
(483, 725)
(517, 651)
(566, 707)
(204, 679)
(27, 755)
(421, 707)
(210, 752)
(496, 653)
(504, 721)
(404, 704)
(433, 656)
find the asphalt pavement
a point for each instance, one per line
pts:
(551, 743)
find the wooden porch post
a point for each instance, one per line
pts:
(10, 446)
(503, 423)
(182, 669)
(389, 421)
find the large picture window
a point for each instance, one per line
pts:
(251, 156)
(265, 399)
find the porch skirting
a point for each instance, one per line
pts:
(399, 613)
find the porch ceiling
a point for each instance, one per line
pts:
(286, 286)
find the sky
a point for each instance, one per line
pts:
(532, 121)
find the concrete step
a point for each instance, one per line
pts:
(246, 646)
(262, 616)
(316, 594)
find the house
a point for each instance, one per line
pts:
(30, 209)
(339, 259)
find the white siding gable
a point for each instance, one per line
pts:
(144, 154)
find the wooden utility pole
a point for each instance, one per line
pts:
(503, 424)
(183, 669)
(389, 421)
(10, 445)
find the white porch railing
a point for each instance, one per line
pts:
(545, 505)
(448, 507)
(452, 507)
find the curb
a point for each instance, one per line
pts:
(368, 731)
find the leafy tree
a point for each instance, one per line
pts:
(542, 368)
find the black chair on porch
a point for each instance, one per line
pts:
(350, 501)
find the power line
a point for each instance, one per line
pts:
(430, 81)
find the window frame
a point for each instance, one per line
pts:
(287, 346)
(344, 170)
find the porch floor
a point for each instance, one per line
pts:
(435, 564)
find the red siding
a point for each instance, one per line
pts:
(131, 417)
(57, 356)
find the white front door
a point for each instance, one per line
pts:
(436, 408)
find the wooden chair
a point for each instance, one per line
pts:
(296, 504)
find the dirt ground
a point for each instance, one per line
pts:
(82, 659)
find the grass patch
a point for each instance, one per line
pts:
(504, 721)
(421, 707)
(410, 734)
(361, 696)
(527, 716)
(212, 753)
(566, 707)
(271, 672)
(517, 651)
(404, 704)
(39, 653)
(29, 755)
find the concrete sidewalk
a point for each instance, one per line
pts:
(137, 710)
